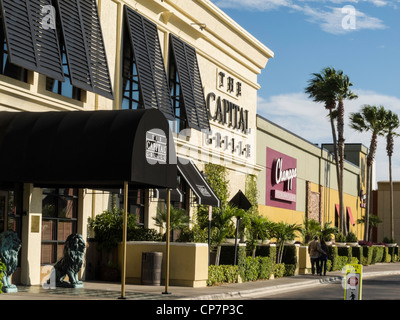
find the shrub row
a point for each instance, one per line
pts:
(262, 267)
(258, 268)
(2, 272)
(366, 255)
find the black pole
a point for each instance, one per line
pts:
(209, 234)
(236, 238)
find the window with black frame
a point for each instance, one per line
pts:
(10, 210)
(9, 69)
(59, 220)
(131, 95)
(64, 88)
(136, 204)
(176, 99)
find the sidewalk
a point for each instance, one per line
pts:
(111, 291)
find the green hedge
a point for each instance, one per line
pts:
(2, 271)
(378, 254)
(266, 267)
(252, 269)
(222, 274)
(367, 255)
(279, 270)
(249, 269)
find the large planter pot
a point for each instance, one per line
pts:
(230, 241)
(340, 244)
(290, 242)
(391, 244)
(352, 244)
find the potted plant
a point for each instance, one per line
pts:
(257, 230)
(310, 229)
(283, 232)
(327, 232)
(179, 219)
(351, 239)
(340, 239)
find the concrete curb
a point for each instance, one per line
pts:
(266, 290)
(276, 289)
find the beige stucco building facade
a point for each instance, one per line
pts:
(229, 62)
(313, 192)
(381, 208)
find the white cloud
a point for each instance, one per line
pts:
(300, 115)
(342, 20)
(330, 19)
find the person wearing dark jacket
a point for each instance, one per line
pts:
(323, 258)
(315, 251)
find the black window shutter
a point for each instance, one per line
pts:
(190, 81)
(84, 46)
(30, 45)
(149, 62)
(95, 45)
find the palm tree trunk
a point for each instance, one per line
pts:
(335, 151)
(366, 223)
(370, 160)
(218, 255)
(391, 199)
(340, 124)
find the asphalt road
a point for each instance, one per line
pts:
(378, 288)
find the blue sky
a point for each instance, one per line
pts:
(360, 37)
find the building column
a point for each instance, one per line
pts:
(31, 235)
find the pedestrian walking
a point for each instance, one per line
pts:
(323, 258)
(314, 249)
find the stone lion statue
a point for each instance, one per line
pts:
(10, 245)
(71, 262)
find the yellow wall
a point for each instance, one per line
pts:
(188, 262)
(330, 199)
(383, 210)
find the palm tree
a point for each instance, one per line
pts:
(222, 226)
(331, 87)
(374, 220)
(311, 228)
(327, 231)
(371, 118)
(179, 219)
(257, 228)
(343, 92)
(282, 232)
(392, 123)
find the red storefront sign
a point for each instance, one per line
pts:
(281, 183)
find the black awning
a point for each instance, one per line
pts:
(87, 148)
(197, 183)
(175, 194)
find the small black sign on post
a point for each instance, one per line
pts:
(240, 201)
